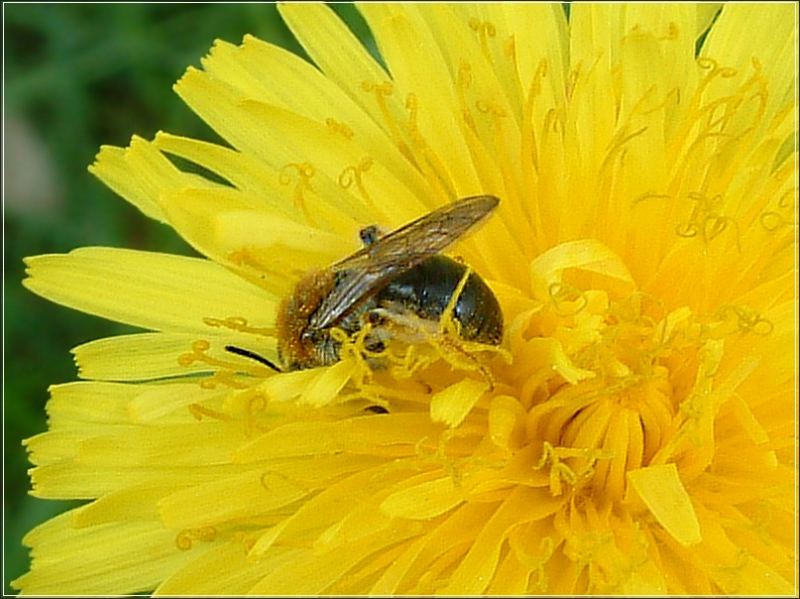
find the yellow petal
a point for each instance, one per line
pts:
(648, 580)
(319, 98)
(226, 226)
(311, 574)
(475, 571)
(335, 50)
(325, 388)
(115, 166)
(136, 357)
(163, 445)
(547, 354)
(72, 479)
(507, 422)
(771, 40)
(357, 479)
(424, 500)
(169, 402)
(89, 407)
(344, 156)
(663, 493)
(415, 563)
(733, 568)
(50, 447)
(540, 35)
(358, 435)
(99, 560)
(222, 570)
(595, 32)
(418, 67)
(248, 496)
(160, 291)
(588, 254)
(451, 405)
(705, 13)
(137, 502)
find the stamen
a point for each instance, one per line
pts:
(529, 145)
(616, 147)
(283, 478)
(222, 377)
(339, 127)
(485, 30)
(535, 563)
(772, 220)
(672, 95)
(303, 173)
(352, 174)
(491, 108)
(247, 541)
(238, 323)
(706, 221)
(198, 354)
(381, 92)
(673, 32)
(734, 572)
(572, 80)
(428, 163)
(747, 320)
(560, 294)
(256, 404)
(199, 412)
(185, 538)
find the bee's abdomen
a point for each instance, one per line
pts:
(427, 288)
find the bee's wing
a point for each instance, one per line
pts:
(366, 271)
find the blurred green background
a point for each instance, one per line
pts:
(76, 77)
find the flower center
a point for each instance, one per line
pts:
(610, 387)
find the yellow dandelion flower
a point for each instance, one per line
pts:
(633, 432)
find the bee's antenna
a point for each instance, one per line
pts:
(252, 355)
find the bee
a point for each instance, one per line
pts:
(399, 277)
